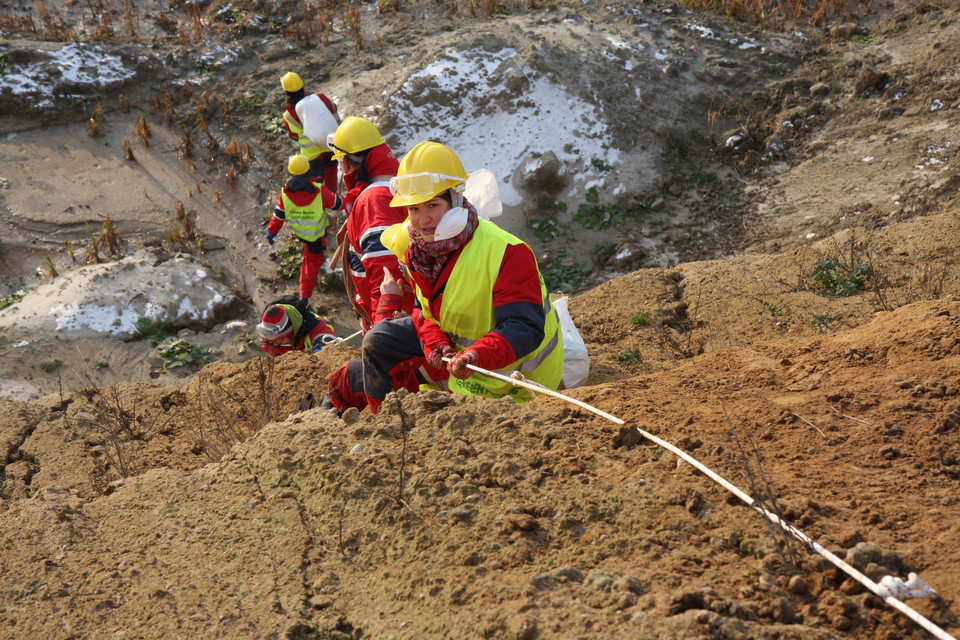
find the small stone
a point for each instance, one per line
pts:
(569, 573)
(798, 585)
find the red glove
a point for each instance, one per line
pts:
(458, 364)
(434, 357)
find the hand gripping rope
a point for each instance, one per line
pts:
(888, 589)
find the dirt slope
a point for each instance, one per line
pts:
(233, 507)
(509, 521)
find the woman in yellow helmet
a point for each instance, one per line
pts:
(481, 298)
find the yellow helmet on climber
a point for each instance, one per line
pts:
(427, 170)
(353, 136)
(291, 82)
(298, 164)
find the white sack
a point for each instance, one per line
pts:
(576, 362)
(316, 119)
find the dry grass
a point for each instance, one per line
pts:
(777, 14)
(228, 411)
(95, 119)
(142, 131)
(185, 147)
(107, 240)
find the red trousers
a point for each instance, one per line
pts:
(310, 267)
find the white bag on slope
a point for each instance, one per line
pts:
(317, 120)
(576, 362)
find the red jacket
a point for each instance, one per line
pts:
(369, 214)
(517, 306)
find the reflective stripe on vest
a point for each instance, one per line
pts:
(467, 315)
(308, 147)
(309, 222)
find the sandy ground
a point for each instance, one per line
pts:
(225, 503)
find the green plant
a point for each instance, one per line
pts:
(640, 320)
(239, 18)
(546, 229)
(599, 165)
(154, 332)
(50, 266)
(51, 365)
(272, 124)
(12, 298)
(866, 39)
(773, 309)
(628, 357)
(822, 323)
(100, 364)
(837, 279)
(595, 216)
(603, 250)
(289, 259)
(251, 100)
(4, 64)
(892, 28)
(177, 352)
(200, 66)
(564, 278)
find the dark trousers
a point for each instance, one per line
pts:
(390, 360)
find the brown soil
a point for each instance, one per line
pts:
(233, 506)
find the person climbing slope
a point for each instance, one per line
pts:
(481, 298)
(302, 204)
(288, 325)
(372, 273)
(322, 165)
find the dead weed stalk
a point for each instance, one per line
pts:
(227, 416)
(122, 419)
(142, 131)
(95, 119)
(751, 472)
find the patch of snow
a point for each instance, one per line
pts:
(74, 63)
(733, 141)
(705, 32)
(545, 116)
(936, 105)
(99, 318)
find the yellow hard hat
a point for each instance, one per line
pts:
(396, 237)
(353, 136)
(427, 170)
(298, 164)
(291, 82)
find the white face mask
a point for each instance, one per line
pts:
(453, 222)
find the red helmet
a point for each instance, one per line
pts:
(274, 324)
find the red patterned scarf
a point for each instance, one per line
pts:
(428, 258)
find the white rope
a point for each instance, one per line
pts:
(911, 613)
(329, 338)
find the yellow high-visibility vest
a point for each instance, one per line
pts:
(466, 315)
